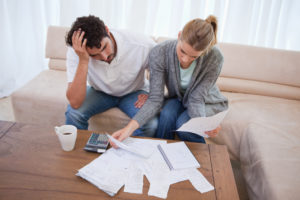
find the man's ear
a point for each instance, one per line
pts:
(107, 30)
(179, 34)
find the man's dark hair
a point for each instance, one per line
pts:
(93, 27)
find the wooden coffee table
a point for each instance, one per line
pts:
(33, 166)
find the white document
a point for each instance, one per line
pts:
(105, 172)
(134, 179)
(159, 189)
(199, 182)
(199, 125)
(158, 175)
(118, 167)
(144, 152)
(178, 156)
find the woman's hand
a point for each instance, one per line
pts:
(79, 46)
(213, 133)
(125, 132)
(142, 98)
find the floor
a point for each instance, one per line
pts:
(6, 114)
(239, 180)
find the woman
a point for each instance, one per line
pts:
(189, 67)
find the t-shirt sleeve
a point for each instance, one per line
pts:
(72, 64)
(149, 44)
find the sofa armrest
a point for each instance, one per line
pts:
(56, 47)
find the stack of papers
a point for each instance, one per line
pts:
(119, 167)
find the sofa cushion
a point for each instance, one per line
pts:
(57, 64)
(109, 121)
(258, 88)
(40, 100)
(43, 101)
(270, 159)
(245, 109)
(55, 45)
(261, 64)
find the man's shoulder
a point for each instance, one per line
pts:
(132, 38)
(71, 55)
(70, 50)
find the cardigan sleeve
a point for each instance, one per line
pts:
(196, 100)
(156, 97)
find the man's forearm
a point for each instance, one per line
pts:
(77, 88)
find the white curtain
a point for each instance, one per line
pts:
(267, 23)
(22, 40)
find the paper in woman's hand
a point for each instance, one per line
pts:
(199, 125)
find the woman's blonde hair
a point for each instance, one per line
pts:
(200, 34)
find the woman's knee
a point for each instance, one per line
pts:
(171, 110)
(149, 129)
(190, 137)
(183, 118)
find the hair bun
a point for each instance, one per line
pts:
(213, 21)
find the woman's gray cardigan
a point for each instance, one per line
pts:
(201, 98)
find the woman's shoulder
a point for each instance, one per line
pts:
(163, 49)
(165, 45)
(215, 54)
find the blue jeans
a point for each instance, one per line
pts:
(97, 102)
(173, 116)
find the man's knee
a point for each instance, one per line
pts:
(72, 113)
(76, 118)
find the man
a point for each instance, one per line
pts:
(113, 63)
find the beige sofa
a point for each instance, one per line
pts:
(261, 129)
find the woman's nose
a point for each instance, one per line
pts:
(184, 59)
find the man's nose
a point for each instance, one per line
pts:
(104, 56)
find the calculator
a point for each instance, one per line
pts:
(98, 142)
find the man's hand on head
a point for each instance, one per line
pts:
(79, 46)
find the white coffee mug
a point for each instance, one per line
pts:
(67, 135)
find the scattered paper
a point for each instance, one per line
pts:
(199, 181)
(106, 175)
(144, 152)
(178, 156)
(159, 189)
(134, 180)
(118, 167)
(199, 125)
